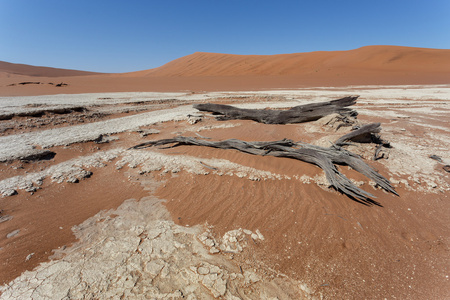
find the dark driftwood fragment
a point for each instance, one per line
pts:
(376, 155)
(43, 111)
(436, 158)
(37, 155)
(365, 134)
(297, 114)
(29, 82)
(325, 158)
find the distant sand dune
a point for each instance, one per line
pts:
(27, 70)
(376, 58)
(371, 65)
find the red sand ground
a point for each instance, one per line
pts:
(315, 235)
(337, 246)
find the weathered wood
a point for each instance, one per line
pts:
(297, 114)
(325, 158)
(365, 134)
(436, 158)
(340, 156)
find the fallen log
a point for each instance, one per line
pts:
(365, 134)
(297, 114)
(324, 158)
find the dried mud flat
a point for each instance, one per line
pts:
(82, 216)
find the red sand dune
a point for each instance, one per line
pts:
(27, 70)
(371, 65)
(371, 58)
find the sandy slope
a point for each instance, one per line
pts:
(229, 224)
(372, 65)
(381, 59)
(10, 69)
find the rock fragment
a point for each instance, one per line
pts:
(146, 132)
(436, 158)
(194, 119)
(203, 270)
(5, 218)
(13, 233)
(8, 192)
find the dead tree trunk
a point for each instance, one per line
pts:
(325, 158)
(365, 134)
(297, 114)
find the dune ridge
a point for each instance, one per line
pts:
(387, 58)
(37, 71)
(370, 65)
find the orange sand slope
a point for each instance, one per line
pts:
(373, 58)
(27, 70)
(372, 65)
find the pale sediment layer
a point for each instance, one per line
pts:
(141, 253)
(76, 169)
(12, 147)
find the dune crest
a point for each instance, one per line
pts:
(7, 68)
(371, 65)
(377, 58)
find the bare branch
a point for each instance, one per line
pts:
(324, 158)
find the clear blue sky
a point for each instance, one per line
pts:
(122, 36)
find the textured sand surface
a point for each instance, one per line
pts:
(98, 220)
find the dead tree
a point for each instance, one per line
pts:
(324, 158)
(366, 134)
(297, 114)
